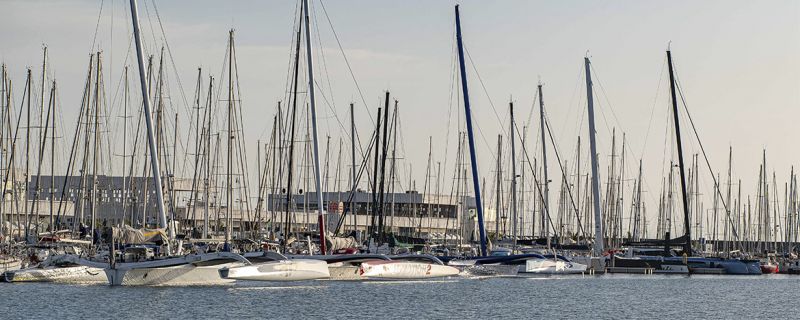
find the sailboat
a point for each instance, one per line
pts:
(193, 269)
(281, 268)
(694, 264)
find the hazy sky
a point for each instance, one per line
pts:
(737, 62)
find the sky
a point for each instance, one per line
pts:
(736, 62)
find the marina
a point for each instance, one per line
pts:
(172, 192)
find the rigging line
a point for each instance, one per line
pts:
(485, 91)
(362, 169)
(653, 109)
(175, 70)
(536, 182)
(596, 76)
(532, 108)
(346, 61)
(628, 165)
(332, 107)
(289, 66)
(563, 172)
(321, 53)
(453, 80)
(97, 26)
(577, 92)
(149, 24)
(705, 157)
(331, 103)
(121, 78)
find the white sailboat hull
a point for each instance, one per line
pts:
(404, 270)
(180, 275)
(194, 269)
(281, 270)
(77, 274)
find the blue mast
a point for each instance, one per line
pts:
(468, 113)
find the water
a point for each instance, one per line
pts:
(601, 297)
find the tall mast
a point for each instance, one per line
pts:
(41, 103)
(124, 146)
(315, 136)
(687, 248)
(499, 182)
(384, 150)
(468, 113)
(393, 170)
(287, 219)
(27, 159)
(513, 178)
(3, 106)
(207, 160)
(95, 143)
(42, 149)
(375, 167)
(545, 182)
(154, 165)
(53, 160)
(637, 217)
(353, 169)
(194, 192)
(42, 140)
(229, 183)
(598, 215)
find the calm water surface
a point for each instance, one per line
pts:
(601, 297)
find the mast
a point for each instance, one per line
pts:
(468, 115)
(384, 151)
(162, 217)
(27, 159)
(598, 215)
(353, 169)
(3, 106)
(42, 140)
(637, 217)
(124, 146)
(374, 211)
(545, 182)
(290, 171)
(42, 150)
(513, 178)
(686, 223)
(393, 170)
(315, 135)
(95, 143)
(194, 192)
(229, 182)
(499, 182)
(207, 156)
